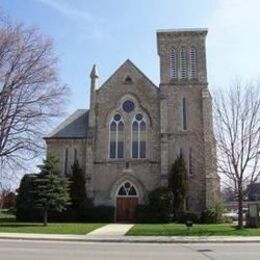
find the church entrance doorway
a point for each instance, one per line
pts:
(126, 203)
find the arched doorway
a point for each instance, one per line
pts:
(126, 202)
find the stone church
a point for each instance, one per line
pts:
(128, 139)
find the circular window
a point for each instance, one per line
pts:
(139, 117)
(117, 117)
(128, 106)
(127, 185)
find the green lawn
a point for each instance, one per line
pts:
(8, 224)
(197, 230)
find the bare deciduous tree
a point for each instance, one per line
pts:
(237, 129)
(30, 92)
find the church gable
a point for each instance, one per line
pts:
(126, 75)
(127, 81)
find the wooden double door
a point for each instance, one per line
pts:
(126, 209)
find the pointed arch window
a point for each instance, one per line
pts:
(127, 189)
(193, 63)
(190, 162)
(66, 161)
(183, 63)
(184, 114)
(116, 142)
(173, 64)
(139, 137)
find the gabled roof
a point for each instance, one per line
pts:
(129, 63)
(75, 126)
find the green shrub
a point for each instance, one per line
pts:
(210, 216)
(25, 200)
(146, 214)
(101, 214)
(226, 219)
(161, 200)
(27, 211)
(188, 215)
(214, 214)
(178, 184)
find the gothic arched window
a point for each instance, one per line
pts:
(127, 189)
(66, 161)
(139, 137)
(183, 63)
(173, 64)
(116, 141)
(184, 114)
(193, 63)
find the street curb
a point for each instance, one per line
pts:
(127, 239)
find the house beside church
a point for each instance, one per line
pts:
(133, 131)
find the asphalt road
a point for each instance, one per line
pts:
(48, 250)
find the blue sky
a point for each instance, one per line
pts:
(109, 32)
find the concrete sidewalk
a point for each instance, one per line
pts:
(130, 239)
(110, 231)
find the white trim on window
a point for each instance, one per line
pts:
(127, 190)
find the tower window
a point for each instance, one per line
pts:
(183, 63)
(116, 143)
(190, 162)
(139, 137)
(184, 114)
(173, 64)
(193, 63)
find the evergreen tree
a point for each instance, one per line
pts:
(52, 189)
(77, 187)
(25, 199)
(178, 184)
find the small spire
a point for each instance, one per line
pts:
(94, 72)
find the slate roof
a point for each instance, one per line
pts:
(75, 126)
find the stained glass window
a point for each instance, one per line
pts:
(127, 189)
(128, 106)
(139, 137)
(116, 145)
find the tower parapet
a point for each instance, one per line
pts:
(182, 55)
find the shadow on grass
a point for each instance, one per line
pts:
(7, 220)
(16, 225)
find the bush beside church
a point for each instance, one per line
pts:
(164, 205)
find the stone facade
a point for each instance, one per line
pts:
(177, 116)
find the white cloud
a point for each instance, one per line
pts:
(234, 40)
(92, 24)
(67, 10)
